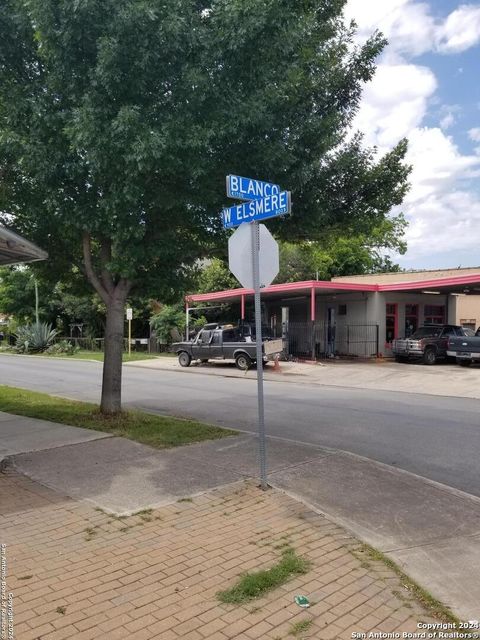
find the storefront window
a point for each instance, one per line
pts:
(411, 319)
(434, 314)
(391, 322)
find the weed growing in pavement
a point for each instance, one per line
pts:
(25, 577)
(91, 533)
(431, 604)
(61, 610)
(255, 584)
(185, 500)
(300, 627)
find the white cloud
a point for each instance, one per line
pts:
(437, 164)
(474, 134)
(443, 224)
(442, 203)
(460, 31)
(408, 26)
(447, 120)
(411, 28)
(394, 103)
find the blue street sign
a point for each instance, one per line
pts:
(277, 204)
(250, 189)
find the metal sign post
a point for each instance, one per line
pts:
(258, 343)
(129, 318)
(253, 259)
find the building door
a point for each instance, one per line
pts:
(411, 319)
(391, 324)
(285, 321)
(330, 332)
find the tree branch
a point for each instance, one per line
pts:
(92, 276)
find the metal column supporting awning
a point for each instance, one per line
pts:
(15, 249)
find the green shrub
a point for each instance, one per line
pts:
(63, 346)
(34, 338)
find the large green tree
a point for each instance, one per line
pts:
(119, 120)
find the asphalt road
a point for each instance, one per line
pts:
(434, 437)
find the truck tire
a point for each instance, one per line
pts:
(184, 359)
(464, 363)
(243, 361)
(429, 356)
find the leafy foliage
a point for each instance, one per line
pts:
(169, 323)
(34, 337)
(63, 347)
(120, 120)
(215, 276)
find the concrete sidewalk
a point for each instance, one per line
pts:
(432, 531)
(19, 434)
(443, 379)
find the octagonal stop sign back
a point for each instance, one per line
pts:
(240, 256)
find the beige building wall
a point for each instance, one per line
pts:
(464, 310)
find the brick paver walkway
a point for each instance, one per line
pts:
(77, 572)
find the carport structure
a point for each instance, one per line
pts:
(15, 249)
(359, 315)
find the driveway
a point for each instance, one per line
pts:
(442, 379)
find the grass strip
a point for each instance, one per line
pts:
(256, 584)
(96, 355)
(434, 607)
(157, 431)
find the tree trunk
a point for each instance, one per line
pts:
(114, 295)
(112, 365)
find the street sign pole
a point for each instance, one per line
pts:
(254, 262)
(129, 318)
(258, 342)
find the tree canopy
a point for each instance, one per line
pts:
(119, 120)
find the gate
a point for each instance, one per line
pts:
(320, 340)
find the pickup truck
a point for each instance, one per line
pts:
(428, 343)
(465, 350)
(226, 342)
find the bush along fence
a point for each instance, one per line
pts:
(149, 345)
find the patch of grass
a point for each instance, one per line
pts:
(157, 431)
(185, 500)
(98, 355)
(434, 607)
(61, 610)
(300, 627)
(256, 584)
(25, 577)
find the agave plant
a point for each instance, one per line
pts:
(34, 337)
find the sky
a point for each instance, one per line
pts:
(427, 89)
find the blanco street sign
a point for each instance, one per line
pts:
(240, 256)
(249, 188)
(129, 313)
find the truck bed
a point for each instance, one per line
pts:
(464, 348)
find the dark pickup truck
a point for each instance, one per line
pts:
(428, 343)
(226, 342)
(465, 350)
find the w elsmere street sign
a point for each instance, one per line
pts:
(269, 206)
(249, 189)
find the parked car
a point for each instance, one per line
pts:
(428, 343)
(226, 342)
(466, 349)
